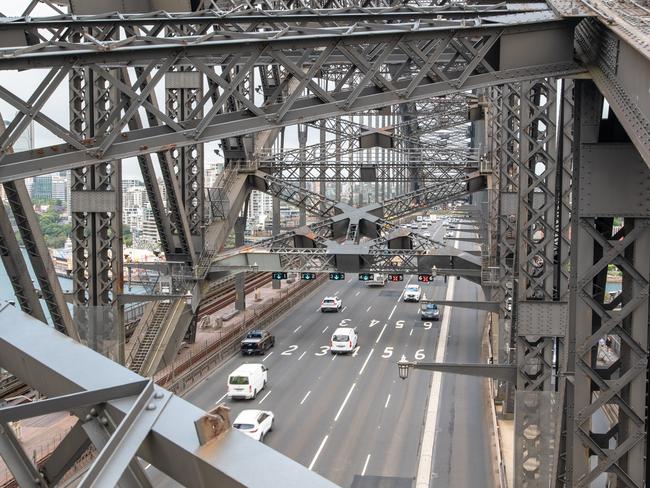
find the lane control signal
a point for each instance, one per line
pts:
(425, 278)
(395, 277)
(279, 275)
(337, 276)
(307, 276)
(366, 276)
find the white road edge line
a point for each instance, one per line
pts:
(264, 397)
(267, 356)
(381, 333)
(429, 435)
(297, 329)
(366, 361)
(313, 461)
(392, 312)
(347, 397)
(365, 466)
(305, 397)
(219, 401)
(387, 400)
(302, 355)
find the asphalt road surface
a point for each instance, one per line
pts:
(349, 417)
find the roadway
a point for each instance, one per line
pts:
(350, 418)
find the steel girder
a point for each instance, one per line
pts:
(434, 62)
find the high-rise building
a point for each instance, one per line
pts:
(60, 188)
(42, 187)
(260, 205)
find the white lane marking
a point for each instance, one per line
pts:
(429, 435)
(264, 397)
(387, 400)
(350, 280)
(366, 361)
(334, 356)
(267, 356)
(313, 461)
(344, 308)
(147, 466)
(302, 355)
(381, 333)
(337, 292)
(347, 397)
(325, 329)
(318, 309)
(357, 294)
(411, 333)
(392, 312)
(355, 352)
(368, 309)
(219, 401)
(297, 329)
(365, 466)
(305, 397)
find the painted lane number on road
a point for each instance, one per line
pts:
(419, 355)
(289, 351)
(373, 322)
(428, 325)
(388, 352)
(399, 324)
(344, 322)
(323, 350)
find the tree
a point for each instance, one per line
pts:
(127, 236)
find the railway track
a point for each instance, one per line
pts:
(224, 295)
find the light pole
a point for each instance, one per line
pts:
(503, 372)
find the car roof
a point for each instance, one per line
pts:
(246, 368)
(329, 298)
(344, 330)
(248, 416)
(413, 286)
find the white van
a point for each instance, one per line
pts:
(418, 218)
(247, 381)
(377, 280)
(344, 339)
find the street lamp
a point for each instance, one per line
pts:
(403, 367)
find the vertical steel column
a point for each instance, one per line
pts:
(96, 209)
(507, 147)
(302, 142)
(240, 278)
(608, 341)
(323, 161)
(183, 92)
(542, 312)
(337, 159)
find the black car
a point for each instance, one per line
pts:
(257, 342)
(430, 311)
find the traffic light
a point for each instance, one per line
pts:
(308, 276)
(395, 277)
(337, 276)
(279, 275)
(425, 278)
(366, 276)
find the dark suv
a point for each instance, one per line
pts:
(257, 342)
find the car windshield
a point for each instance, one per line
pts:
(238, 380)
(328, 300)
(340, 338)
(254, 335)
(243, 426)
(412, 288)
(431, 306)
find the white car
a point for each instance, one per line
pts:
(330, 304)
(254, 423)
(424, 225)
(344, 339)
(426, 234)
(412, 293)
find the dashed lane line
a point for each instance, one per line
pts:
(305, 397)
(302, 355)
(325, 329)
(392, 312)
(366, 361)
(365, 466)
(320, 448)
(267, 356)
(387, 401)
(297, 329)
(381, 333)
(264, 397)
(219, 401)
(347, 397)
(368, 309)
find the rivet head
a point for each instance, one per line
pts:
(151, 406)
